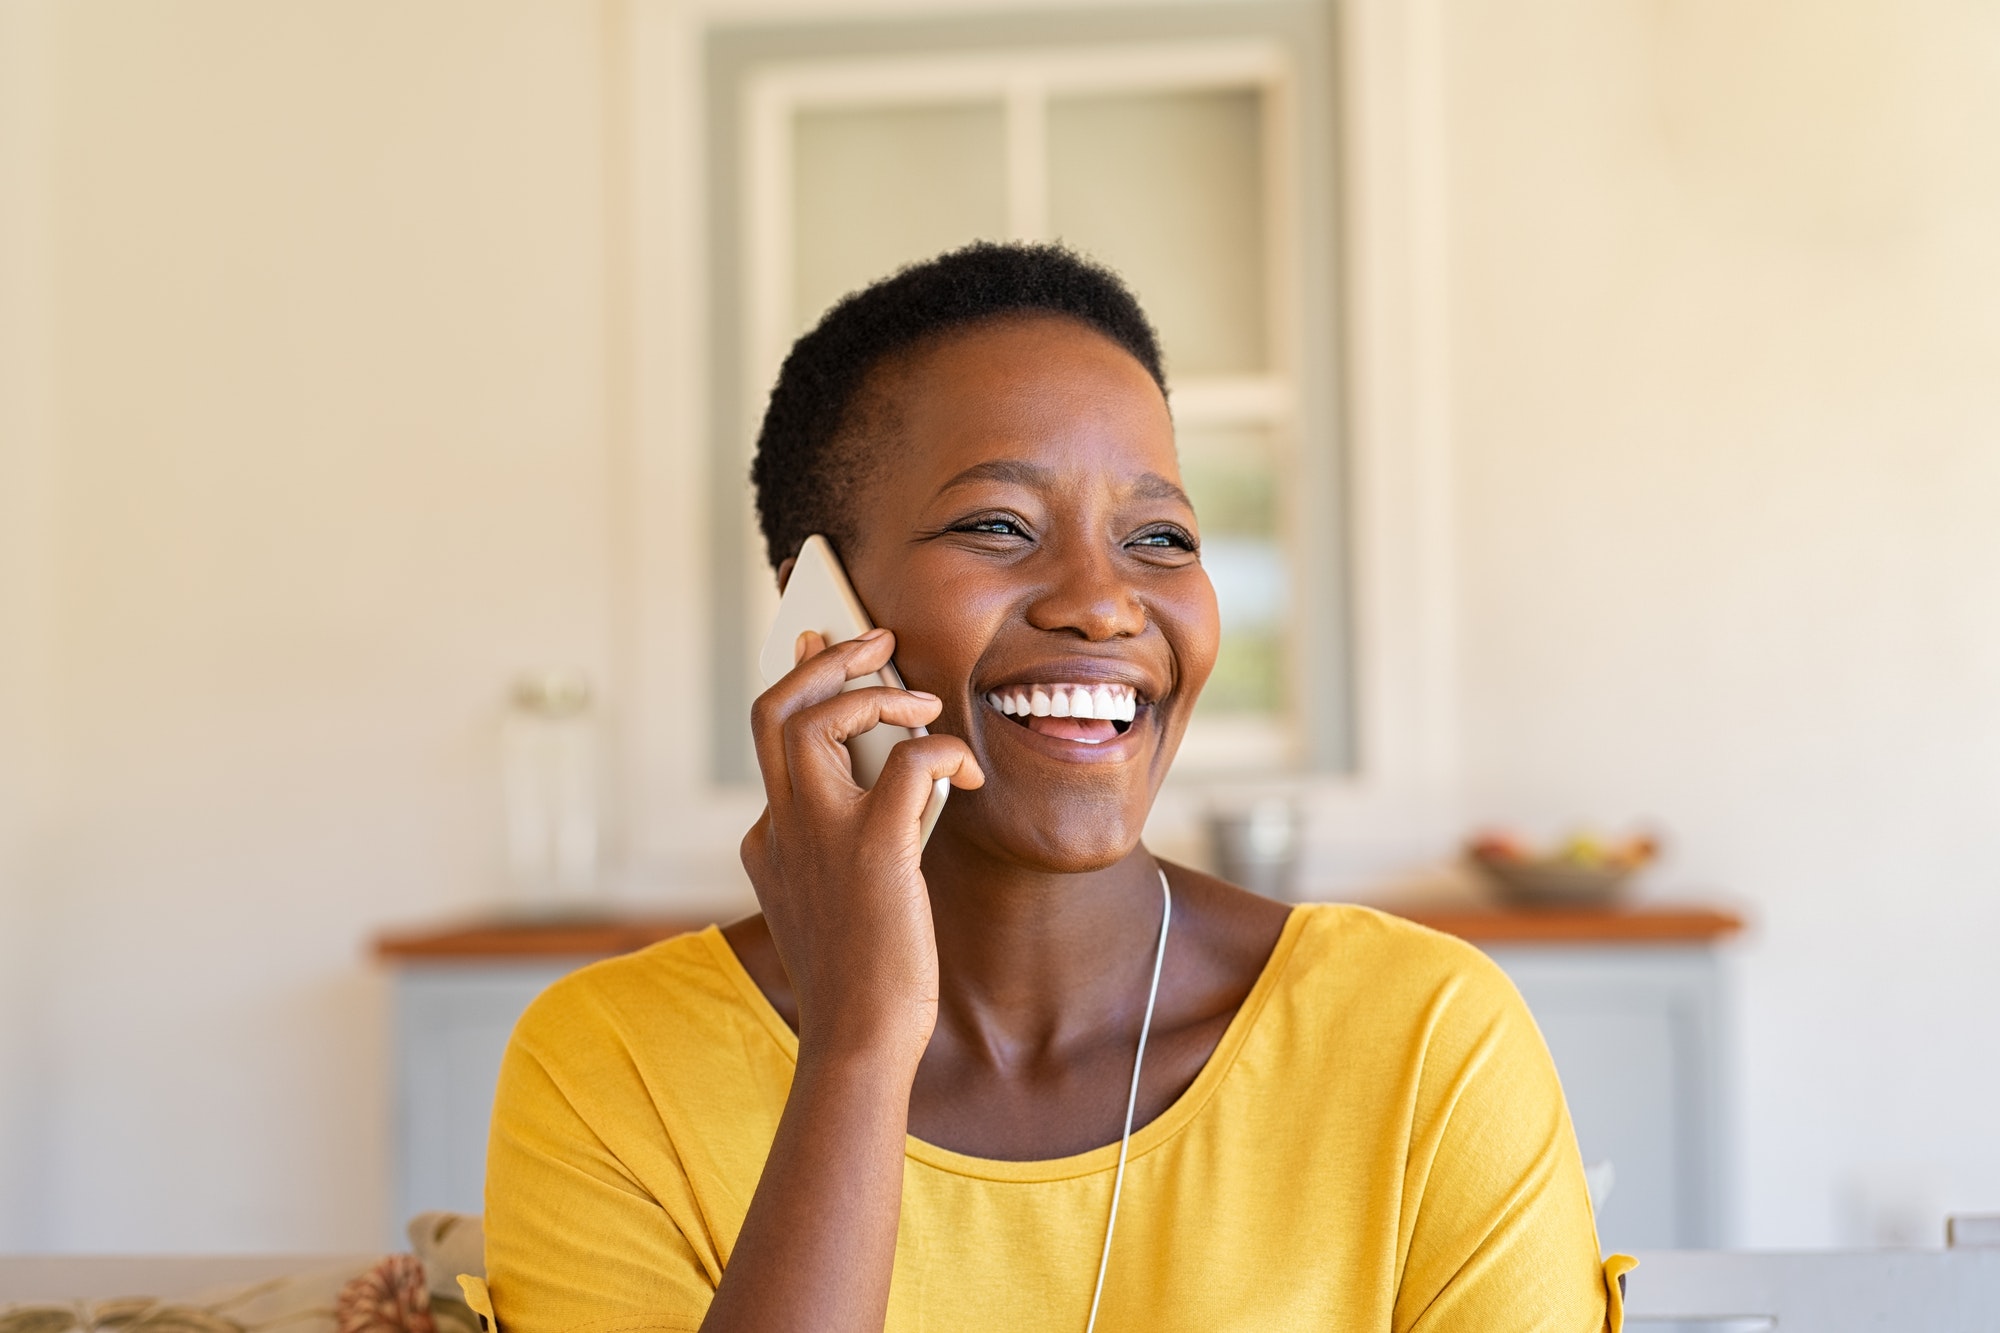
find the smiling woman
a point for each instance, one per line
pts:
(894, 1099)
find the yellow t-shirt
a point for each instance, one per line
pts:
(1378, 1143)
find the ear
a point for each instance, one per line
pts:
(785, 573)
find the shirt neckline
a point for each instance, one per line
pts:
(1102, 1158)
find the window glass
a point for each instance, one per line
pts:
(1231, 473)
(1168, 188)
(877, 187)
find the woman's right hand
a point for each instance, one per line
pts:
(837, 869)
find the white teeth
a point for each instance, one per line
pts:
(1114, 703)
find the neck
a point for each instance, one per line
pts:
(1031, 963)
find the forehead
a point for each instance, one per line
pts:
(1041, 389)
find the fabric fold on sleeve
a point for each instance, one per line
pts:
(1615, 1268)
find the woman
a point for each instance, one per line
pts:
(896, 1099)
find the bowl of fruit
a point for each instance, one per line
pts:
(1583, 871)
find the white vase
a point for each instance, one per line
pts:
(549, 755)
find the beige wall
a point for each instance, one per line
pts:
(1726, 310)
(25, 440)
(326, 334)
(309, 445)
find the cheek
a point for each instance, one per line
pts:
(941, 629)
(1192, 624)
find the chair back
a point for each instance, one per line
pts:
(1953, 1290)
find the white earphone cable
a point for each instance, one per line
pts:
(1132, 1100)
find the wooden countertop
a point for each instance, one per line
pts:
(1663, 923)
(571, 937)
(601, 936)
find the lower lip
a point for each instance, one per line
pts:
(1114, 751)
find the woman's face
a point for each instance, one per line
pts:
(1025, 535)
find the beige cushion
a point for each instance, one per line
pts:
(52, 1295)
(305, 1295)
(448, 1244)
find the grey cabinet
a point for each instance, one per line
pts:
(452, 1023)
(1636, 1031)
(1637, 1036)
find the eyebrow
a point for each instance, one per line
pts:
(1014, 471)
(1153, 486)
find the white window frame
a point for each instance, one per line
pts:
(1022, 82)
(1398, 807)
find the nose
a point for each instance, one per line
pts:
(1089, 596)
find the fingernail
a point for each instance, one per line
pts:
(866, 635)
(926, 694)
(799, 647)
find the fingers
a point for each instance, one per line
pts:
(802, 723)
(820, 674)
(905, 784)
(755, 849)
(814, 737)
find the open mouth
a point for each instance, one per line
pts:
(1092, 714)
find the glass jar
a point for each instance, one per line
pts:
(549, 757)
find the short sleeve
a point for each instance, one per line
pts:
(1500, 1233)
(574, 1239)
(1615, 1269)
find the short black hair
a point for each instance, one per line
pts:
(804, 472)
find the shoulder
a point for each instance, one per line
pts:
(669, 1002)
(1372, 972)
(1387, 947)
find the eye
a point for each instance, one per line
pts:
(993, 525)
(1167, 538)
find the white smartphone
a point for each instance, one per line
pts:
(819, 597)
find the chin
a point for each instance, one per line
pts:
(1061, 834)
(1078, 855)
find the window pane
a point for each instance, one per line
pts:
(875, 188)
(1231, 475)
(1168, 188)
